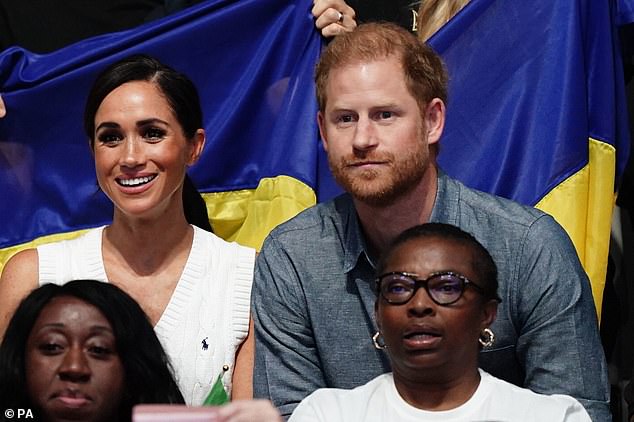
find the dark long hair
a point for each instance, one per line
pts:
(181, 95)
(148, 375)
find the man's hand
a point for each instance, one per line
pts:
(3, 109)
(333, 17)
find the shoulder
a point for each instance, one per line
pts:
(74, 245)
(319, 216)
(19, 277)
(496, 206)
(358, 395)
(343, 404)
(491, 217)
(323, 222)
(21, 267)
(539, 406)
(316, 244)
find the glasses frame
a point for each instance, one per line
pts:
(424, 282)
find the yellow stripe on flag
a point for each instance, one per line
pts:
(247, 216)
(583, 205)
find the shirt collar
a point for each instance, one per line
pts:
(354, 244)
(445, 210)
(447, 200)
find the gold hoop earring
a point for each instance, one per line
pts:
(378, 341)
(487, 338)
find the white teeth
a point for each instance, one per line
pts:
(136, 181)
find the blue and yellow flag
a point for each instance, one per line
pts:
(537, 111)
(252, 61)
(536, 114)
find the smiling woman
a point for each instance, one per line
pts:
(437, 297)
(144, 123)
(83, 351)
(141, 151)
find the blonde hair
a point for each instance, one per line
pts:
(435, 13)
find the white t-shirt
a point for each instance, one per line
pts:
(207, 317)
(494, 400)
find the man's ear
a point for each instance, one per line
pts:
(197, 144)
(434, 117)
(322, 129)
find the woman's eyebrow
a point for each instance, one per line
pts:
(146, 122)
(108, 125)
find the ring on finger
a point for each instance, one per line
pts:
(340, 18)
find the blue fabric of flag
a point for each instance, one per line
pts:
(252, 61)
(624, 12)
(530, 82)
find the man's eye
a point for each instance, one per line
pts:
(345, 118)
(386, 114)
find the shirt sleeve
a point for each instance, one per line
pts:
(559, 345)
(287, 366)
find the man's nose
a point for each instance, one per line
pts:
(365, 135)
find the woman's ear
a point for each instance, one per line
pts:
(197, 144)
(376, 314)
(489, 312)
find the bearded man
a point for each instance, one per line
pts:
(382, 96)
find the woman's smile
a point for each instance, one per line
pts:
(133, 182)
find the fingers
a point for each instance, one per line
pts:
(3, 110)
(333, 17)
(249, 410)
(320, 6)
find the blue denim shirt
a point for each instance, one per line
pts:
(314, 303)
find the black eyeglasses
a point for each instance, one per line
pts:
(444, 288)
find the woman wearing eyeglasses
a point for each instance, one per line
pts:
(437, 298)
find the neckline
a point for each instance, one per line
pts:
(192, 271)
(462, 412)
